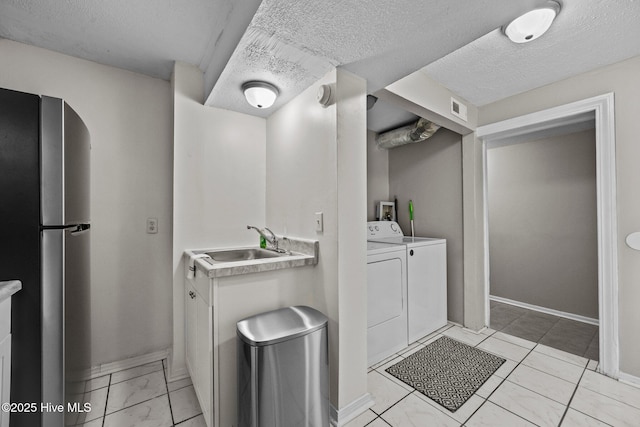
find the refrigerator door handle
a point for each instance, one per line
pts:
(80, 228)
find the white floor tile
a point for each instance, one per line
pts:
(135, 390)
(193, 422)
(514, 340)
(504, 349)
(431, 338)
(464, 335)
(413, 411)
(547, 385)
(592, 365)
(151, 413)
(96, 383)
(378, 422)
(556, 367)
(491, 415)
(138, 371)
(507, 367)
(362, 419)
(444, 328)
(385, 392)
(488, 331)
(411, 349)
(462, 413)
(76, 387)
(604, 408)
(562, 355)
(184, 404)
(622, 392)
(384, 361)
(383, 372)
(98, 401)
(528, 404)
(94, 423)
(574, 418)
(489, 386)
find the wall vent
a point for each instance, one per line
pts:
(458, 109)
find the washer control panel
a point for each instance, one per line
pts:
(383, 229)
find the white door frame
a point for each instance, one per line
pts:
(603, 109)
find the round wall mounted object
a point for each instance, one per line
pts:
(633, 240)
(325, 95)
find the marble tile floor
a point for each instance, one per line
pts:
(578, 338)
(140, 397)
(536, 386)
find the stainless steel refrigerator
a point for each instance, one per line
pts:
(44, 242)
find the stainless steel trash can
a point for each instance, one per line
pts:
(283, 369)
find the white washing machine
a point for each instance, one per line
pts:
(386, 300)
(426, 276)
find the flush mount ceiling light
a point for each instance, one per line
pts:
(533, 24)
(260, 94)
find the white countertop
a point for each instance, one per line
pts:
(301, 252)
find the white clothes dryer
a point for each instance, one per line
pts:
(386, 300)
(426, 276)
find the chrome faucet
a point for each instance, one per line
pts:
(271, 240)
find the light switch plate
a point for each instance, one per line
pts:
(319, 224)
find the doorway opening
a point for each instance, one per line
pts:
(598, 110)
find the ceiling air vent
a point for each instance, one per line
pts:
(458, 109)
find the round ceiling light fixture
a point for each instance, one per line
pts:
(260, 94)
(532, 24)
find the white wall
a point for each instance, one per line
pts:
(129, 118)
(218, 183)
(622, 79)
(316, 163)
(543, 239)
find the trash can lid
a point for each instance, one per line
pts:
(280, 325)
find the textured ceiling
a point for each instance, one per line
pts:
(587, 34)
(144, 36)
(292, 43)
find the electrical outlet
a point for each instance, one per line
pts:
(319, 224)
(152, 225)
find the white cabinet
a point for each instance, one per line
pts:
(198, 345)
(5, 357)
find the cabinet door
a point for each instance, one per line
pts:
(190, 319)
(203, 357)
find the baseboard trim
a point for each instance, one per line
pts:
(175, 374)
(570, 316)
(629, 379)
(341, 417)
(132, 362)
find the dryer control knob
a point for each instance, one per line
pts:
(394, 228)
(377, 229)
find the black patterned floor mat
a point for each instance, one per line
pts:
(447, 371)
